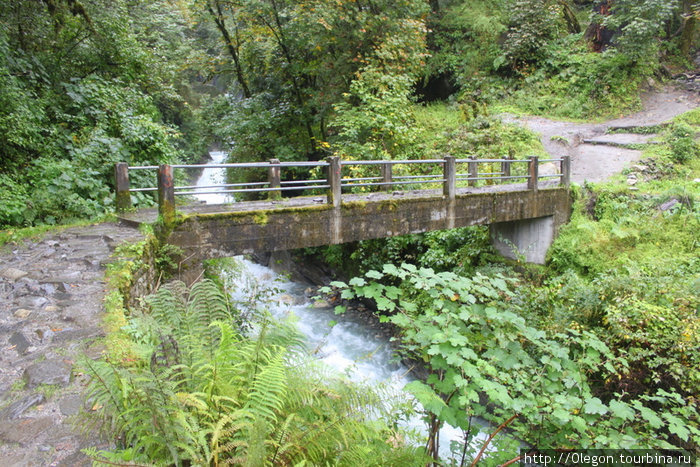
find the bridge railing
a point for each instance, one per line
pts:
(388, 175)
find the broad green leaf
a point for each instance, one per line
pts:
(651, 417)
(595, 406)
(357, 282)
(621, 410)
(426, 396)
(372, 274)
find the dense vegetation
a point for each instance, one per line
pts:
(616, 309)
(88, 83)
(598, 349)
(196, 378)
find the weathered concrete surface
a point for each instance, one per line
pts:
(527, 240)
(211, 235)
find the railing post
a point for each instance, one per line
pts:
(386, 176)
(449, 187)
(274, 179)
(334, 192)
(166, 193)
(505, 166)
(473, 171)
(533, 171)
(566, 171)
(121, 178)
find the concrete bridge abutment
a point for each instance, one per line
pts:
(524, 240)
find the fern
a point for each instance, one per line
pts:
(269, 388)
(207, 394)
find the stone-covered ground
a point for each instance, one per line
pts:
(51, 295)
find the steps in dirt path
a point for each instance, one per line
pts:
(620, 139)
(51, 304)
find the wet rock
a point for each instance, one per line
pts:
(23, 431)
(77, 334)
(47, 372)
(69, 277)
(70, 405)
(668, 204)
(12, 274)
(33, 302)
(52, 309)
(16, 409)
(22, 313)
(77, 459)
(286, 299)
(321, 304)
(20, 342)
(44, 333)
(59, 287)
(63, 296)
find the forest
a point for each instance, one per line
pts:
(599, 348)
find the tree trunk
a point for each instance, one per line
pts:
(690, 8)
(220, 22)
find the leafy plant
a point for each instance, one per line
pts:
(476, 344)
(202, 392)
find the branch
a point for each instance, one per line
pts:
(486, 444)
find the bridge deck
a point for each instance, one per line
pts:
(150, 215)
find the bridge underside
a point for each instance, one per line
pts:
(524, 222)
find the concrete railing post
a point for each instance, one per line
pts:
(472, 165)
(533, 173)
(566, 171)
(274, 179)
(505, 166)
(334, 192)
(121, 178)
(166, 193)
(387, 176)
(449, 187)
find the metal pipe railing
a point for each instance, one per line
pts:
(334, 182)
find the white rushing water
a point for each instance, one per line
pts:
(344, 344)
(213, 177)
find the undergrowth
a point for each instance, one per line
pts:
(186, 384)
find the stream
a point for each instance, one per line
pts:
(343, 343)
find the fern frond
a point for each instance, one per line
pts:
(267, 394)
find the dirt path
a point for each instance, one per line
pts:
(595, 155)
(51, 307)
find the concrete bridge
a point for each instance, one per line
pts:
(524, 202)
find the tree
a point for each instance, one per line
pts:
(295, 60)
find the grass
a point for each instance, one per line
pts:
(14, 236)
(449, 129)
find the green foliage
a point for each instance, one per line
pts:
(465, 40)
(641, 23)
(85, 85)
(296, 61)
(682, 142)
(375, 121)
(533, 24)
(573, 82)
(202, 392)
(476, 343)
(461, 250)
